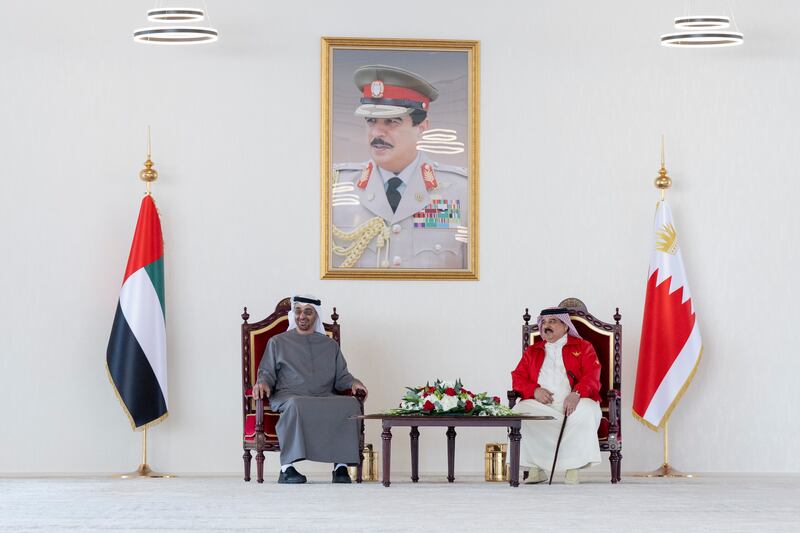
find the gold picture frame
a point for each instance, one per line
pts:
(427, 227)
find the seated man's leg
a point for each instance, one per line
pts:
(290, 430)
(579, 446)
(291, 445)
(319, 428)
(539, 437)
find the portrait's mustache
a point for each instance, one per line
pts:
(380, 142)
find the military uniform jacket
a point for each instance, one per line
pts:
(421, 232)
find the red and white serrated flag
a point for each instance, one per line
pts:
(671, 346)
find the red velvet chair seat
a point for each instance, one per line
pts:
(602, 431)
(270, 420)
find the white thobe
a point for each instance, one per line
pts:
(579, 445)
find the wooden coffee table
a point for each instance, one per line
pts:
(513, 423)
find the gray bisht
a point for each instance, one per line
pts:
(316, 424)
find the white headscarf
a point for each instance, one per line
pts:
(560, 313)
(306, 299)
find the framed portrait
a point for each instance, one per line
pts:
(399, 157)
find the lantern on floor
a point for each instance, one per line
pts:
(370, 471)
(495, 467)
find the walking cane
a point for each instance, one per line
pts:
(561, 434)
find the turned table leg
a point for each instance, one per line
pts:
(513, 475)
(387, 453)
(414, 454)
(451, 453)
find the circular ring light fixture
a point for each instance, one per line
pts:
(703, 22)
(176, 35)
(702, 39)
(175, 14)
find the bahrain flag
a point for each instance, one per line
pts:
(671, 346)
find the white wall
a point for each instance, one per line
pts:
(574, 97)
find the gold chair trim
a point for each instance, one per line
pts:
(253, 345)
(253, 434)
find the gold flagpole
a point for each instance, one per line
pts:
(662, 183)
(665, 470)
(148, 175)
(144, 469)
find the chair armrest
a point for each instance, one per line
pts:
(613, 397)
(614, 401)
(260, 415)
(359, 395)
(512, 398)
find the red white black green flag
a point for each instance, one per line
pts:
(136, 358)
(671, 346)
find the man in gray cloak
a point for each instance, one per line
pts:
(300, 372)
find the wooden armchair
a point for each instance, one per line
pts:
(606, 338)
(258, 420)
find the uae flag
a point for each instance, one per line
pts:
(671, 346)
(137, 350)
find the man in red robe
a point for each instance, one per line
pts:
(558, 376)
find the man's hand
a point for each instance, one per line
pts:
(571, 402)
(543, 395)
(357, 386)
(261, 391)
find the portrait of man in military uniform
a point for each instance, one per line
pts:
(405, 203)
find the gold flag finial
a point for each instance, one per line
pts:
(148, 174)
(663, 182)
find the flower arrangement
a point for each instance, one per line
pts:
(446, 397)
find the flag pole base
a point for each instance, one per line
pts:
(664, 470)
(143, 471)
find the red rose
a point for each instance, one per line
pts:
(450, 391)
(496, 399)
(428, 406)
(468, 406)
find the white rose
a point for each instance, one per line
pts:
(449, 402)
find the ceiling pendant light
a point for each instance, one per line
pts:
(703, 31)
(175, 14)
(702, 39)
(703, 22)
(175, 34)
